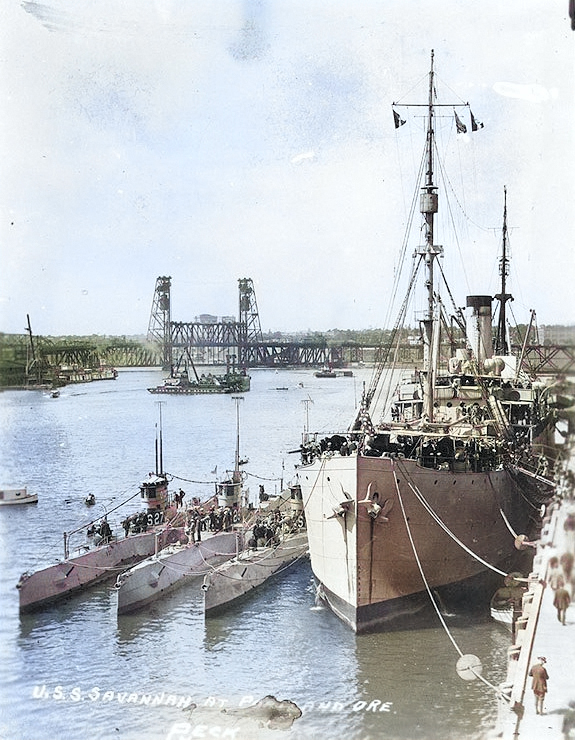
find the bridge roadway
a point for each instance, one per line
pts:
(538, 360)
(261, 354)
(212, 347)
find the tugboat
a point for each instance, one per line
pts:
(17, 496)
(414, 504)
(326, 372)
(179, 381)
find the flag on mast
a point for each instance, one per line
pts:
(475, 124)
(397, 120)
(461, 127)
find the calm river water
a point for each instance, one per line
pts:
(76, 671)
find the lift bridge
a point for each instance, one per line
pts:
(213, 341)
(226, 341)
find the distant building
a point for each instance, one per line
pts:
(207, 318)
(557, 334)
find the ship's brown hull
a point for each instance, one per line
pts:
(368, 566)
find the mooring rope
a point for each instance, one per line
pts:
(446, 529)
(430, 594)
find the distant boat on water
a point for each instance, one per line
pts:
(41, 373)
(17, 496)
(326, 371)
(184, 379)
(329, 372)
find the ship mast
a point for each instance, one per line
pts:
(159, 443)
(428, 251)
(501, 343)
(237, 475)
(428, 207)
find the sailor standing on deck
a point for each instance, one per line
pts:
(539, 685)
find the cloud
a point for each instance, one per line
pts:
(533, 93)
(302, 157)
(216, 140)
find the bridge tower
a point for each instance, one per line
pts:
(250, 330)
(159, 330)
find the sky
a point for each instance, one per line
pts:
(212, 140)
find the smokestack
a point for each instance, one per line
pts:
(478, 326)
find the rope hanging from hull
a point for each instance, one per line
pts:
(432, 599)
(445, 528)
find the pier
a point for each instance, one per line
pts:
(539, 632)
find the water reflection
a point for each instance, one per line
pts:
(415, 672)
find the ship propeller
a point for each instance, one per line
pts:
(345, 493)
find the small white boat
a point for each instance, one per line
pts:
(506, 602)
(14, 496)
(250, 569)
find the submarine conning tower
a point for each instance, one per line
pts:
(478, 327)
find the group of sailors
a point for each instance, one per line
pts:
(138, 522)
(179, 498)
(267, 531)
(213, 519)
(442, 453)
(101, 532)
(336, 443)
(201, 518)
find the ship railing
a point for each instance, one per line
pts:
(458, 465)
